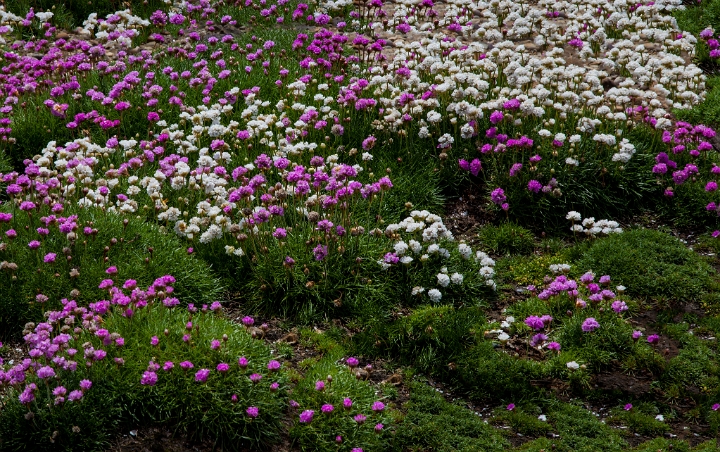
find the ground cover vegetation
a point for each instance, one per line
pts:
(359, 225)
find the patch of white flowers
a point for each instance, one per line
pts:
(423, 237)
(591, 227)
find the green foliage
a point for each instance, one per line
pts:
(640, 419)
(708, 112)
(651, 264)
(522, 420)
(429, 338)
(507, 238)
(526, 270)
(137, 249)
(339, 383)
(117, 399)
(431, 423)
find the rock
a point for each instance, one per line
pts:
(256, 332)
(290, 338)
(62, 35)
(361, 374)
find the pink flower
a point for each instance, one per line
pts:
(511, 407)
(253, 411)
(306, 416)
(149, 378)
(628, 407)
(202, 375)
(590, 325)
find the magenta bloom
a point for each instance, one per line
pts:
(320, 386)
(223, 367)
(327, 408)
(34, 244)
(590, 325)
(498, 196)
(511, 407)
(496, 117)
(553, 346)
(628, 407)
(538, 339)
(85, 385)
(255, 378)
(242, 362)
(347, 403)
(378, 406)
(306, 416)
(535, 322)
(74, 396)
(619, 306)
(273, 365)
(636, 335)
(45, 372)
(352, 362)
(167, 367)
(716, 407)
(534, 186)
(653, 339)
(154, 341)
(149, 378)
(248, 321)
(186, 365)
(252, 411)
(202, 375)
(360, 418)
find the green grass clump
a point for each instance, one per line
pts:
(651, 264)
(432, 423)
(507, 238)
(329, 382)
(640, 419)
(137, 249)
(119, 398)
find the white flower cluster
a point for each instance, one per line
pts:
(424, 235)
(560, 268)
(592, 228)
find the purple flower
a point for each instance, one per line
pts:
(378, 406)
(319, 385)
(320, 252)
(242, 362)
(716, 407)
(535, 322)
(45, 372)
(538, 339)
(534, 186)
(553, 346)
(636, 335)
(75, 395)
(496, 116)
(306, 416)
(223, 367)
(255, 378)
(511, 407)
(360, 418)
(273, 365)
(628, 407)
(202, 375)
(327, 408)
(498, 196)
(352, 362)
(653, 339)
(167, 367)
(379, 427)
(186, 365)
(252, 411)
(619, 306)
(248, 321)
(149, 378)
(347, 403)
(85, 385)
(590, 325)
(154, 341)
(34, 244)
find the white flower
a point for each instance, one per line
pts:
(464, 250)
(542, 417)
(400, 248)
(406, 260)
(487, 272)
(443, 279)
(574, 216)
(434, 295)
(572, 365)
(417, 290)
(503, 337)
(456, 278)
(660, 418)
